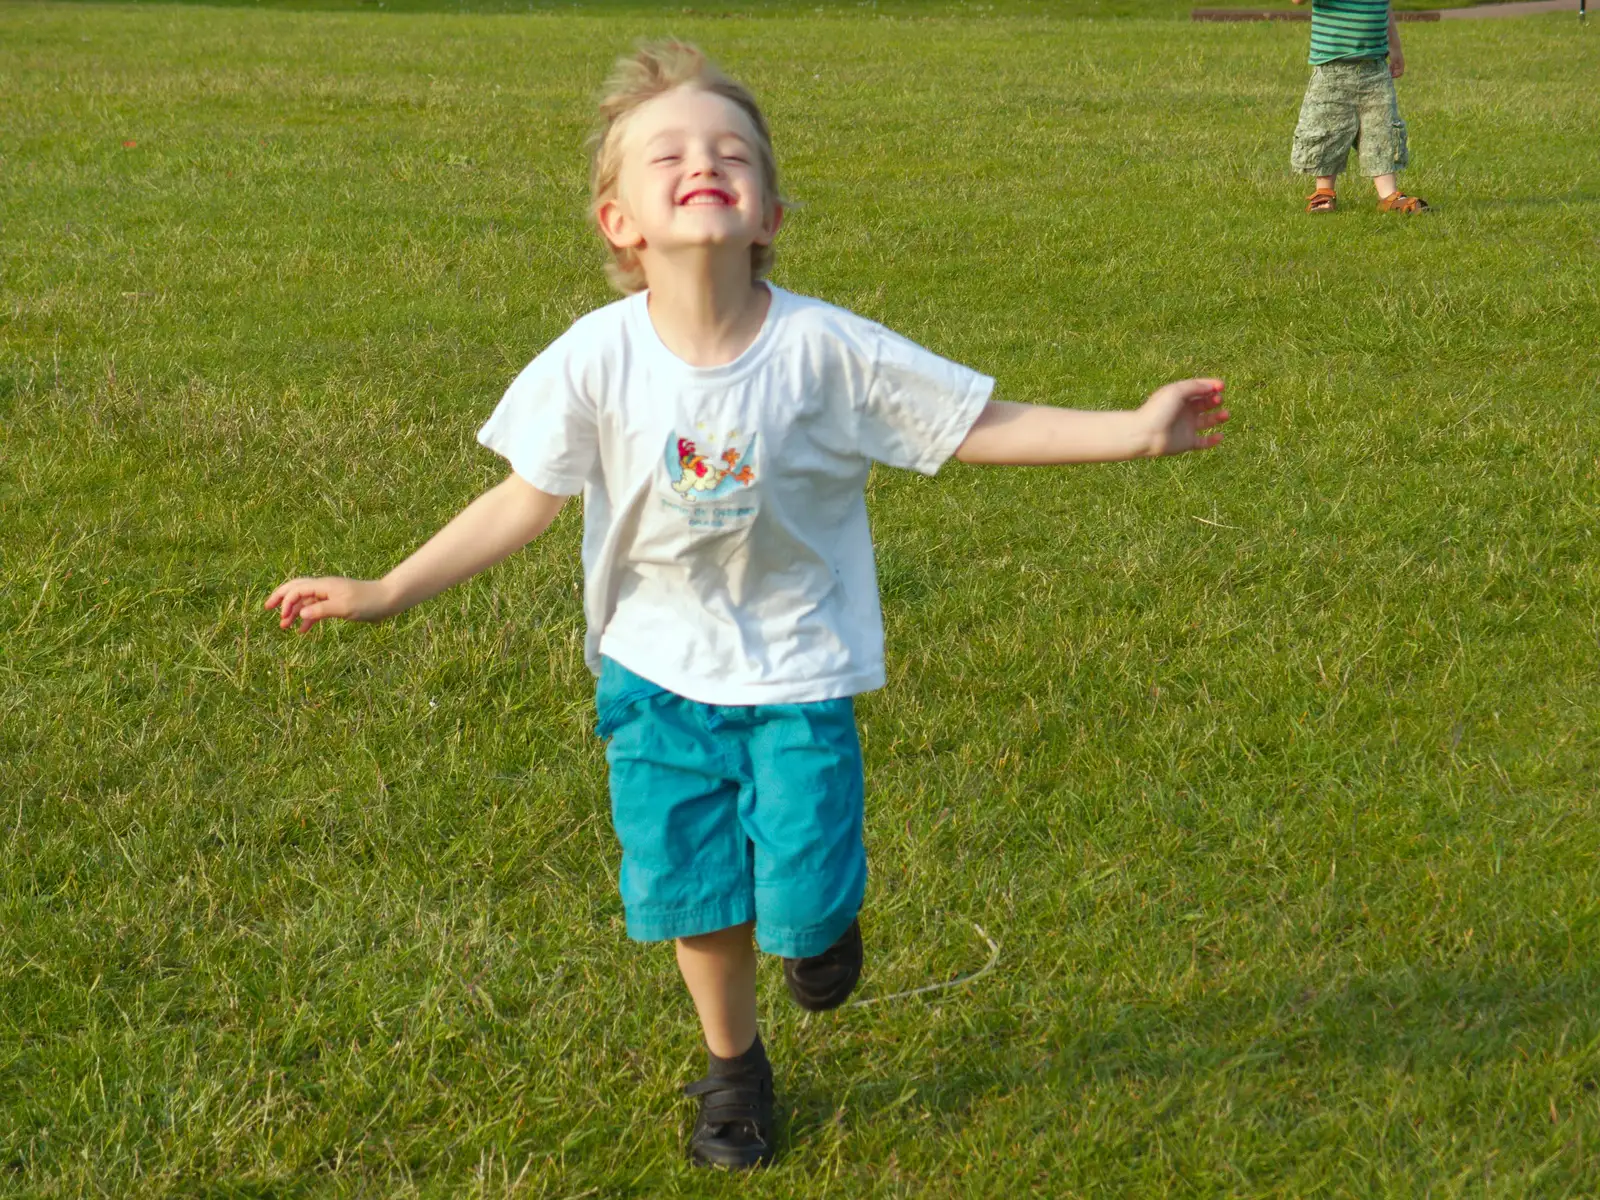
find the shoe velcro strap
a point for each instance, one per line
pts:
(727, 1100)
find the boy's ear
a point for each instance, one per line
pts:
(618, 228)
(770, 226)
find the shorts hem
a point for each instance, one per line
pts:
(786, 943)
(803, 943)
(667, 925)
(806, 940)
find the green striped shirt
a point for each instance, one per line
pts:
(1348, 29)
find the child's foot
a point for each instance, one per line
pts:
(734, 1125)
(825, 980)
(1401, 203)
(1323, 200)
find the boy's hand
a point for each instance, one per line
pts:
(1179, 416)
(498, 523)
(1397, 62)
(314, 600)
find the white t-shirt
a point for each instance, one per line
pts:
(726, 553)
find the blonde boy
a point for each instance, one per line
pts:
(721, 431)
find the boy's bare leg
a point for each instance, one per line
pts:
(1386, 185)
(1326, 182)
(720, 969)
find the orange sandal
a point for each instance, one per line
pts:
(1323, 200)
(1401, 203)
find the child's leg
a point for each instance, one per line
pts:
(1327, 127)
(804, 820)
(720, 971)
(676, 782)
(1382, 141)
(734, 1126)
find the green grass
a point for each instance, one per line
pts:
(1272, 771)
(658, 10)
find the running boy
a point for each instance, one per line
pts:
(721, 431)
(1350, 101)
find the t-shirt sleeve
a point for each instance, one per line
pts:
(916, 407)
(545, 425)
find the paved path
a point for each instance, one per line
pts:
(1526, 8)
(1476, 12)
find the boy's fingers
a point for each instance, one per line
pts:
(288, 593)
(318, 610)
(298, 602)
(280, 592)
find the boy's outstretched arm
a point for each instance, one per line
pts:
(1176, 418)
(494, 526)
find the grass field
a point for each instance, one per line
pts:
(1272, 772)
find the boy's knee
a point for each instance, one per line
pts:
(734, 937)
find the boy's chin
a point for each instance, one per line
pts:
(713, 244)
(714, 228)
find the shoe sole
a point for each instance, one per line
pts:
(741, 1163)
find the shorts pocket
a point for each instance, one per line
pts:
(618, 695)
(1383, 146)
(1397, 143)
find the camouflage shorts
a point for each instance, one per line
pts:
(1350, 103)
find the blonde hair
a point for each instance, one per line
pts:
(653, 70)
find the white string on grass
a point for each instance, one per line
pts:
(994, 957)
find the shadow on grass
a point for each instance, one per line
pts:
(1530, 201)
(1414, 1023)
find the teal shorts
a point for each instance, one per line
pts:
(733, 813)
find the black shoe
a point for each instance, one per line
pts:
(825, 980)
(734, 1128)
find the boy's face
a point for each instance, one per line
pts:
(689, 178)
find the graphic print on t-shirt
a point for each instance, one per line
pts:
(710, 486)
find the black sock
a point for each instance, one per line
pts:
(751, 1064)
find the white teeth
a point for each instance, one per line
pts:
(704, 198)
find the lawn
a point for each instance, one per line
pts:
(1271, 772)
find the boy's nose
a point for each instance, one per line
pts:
(702, 164)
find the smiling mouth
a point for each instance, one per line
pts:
(706, 196)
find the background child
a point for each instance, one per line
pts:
(1350, 101)
(721, 431)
